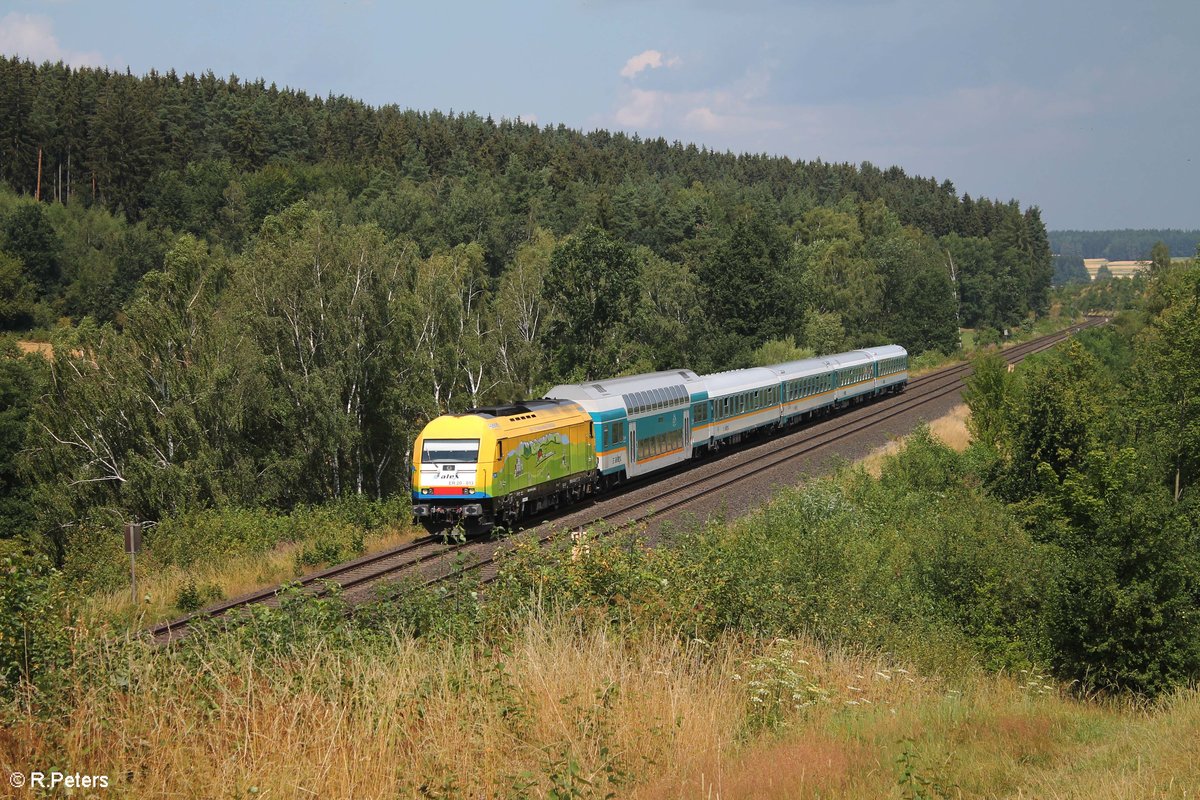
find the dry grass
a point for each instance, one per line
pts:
(592, 713)
(236, 576)
(43, 348)
(950, 429)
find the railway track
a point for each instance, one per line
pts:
(430, 560)
(751, 462)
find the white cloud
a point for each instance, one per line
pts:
(737, 108)
(648, 59)
(32, 37)
(751, 120)
(641, 108)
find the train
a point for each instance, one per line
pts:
(490, 467)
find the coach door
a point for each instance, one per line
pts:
(631, 465)
(687, 431)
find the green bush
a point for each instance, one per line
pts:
(35, 623)
(96, 560)
(328, 540)
(924, 464)
(192, 596)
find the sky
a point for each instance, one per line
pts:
(1089, 109)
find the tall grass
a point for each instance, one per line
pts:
(858, 638)
(565, 710)
(161, 587)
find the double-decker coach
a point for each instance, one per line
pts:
(642, 423)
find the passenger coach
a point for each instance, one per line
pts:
(642, 423)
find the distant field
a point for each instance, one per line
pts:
(45, 348)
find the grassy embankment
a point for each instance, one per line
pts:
(160, 588)
(910, 670)
(586, 714)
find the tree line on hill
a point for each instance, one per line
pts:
(1123, 245)
(1070, 268)
(268, 293)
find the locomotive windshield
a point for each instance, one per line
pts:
(450, 451)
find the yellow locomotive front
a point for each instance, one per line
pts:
(452, 468)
